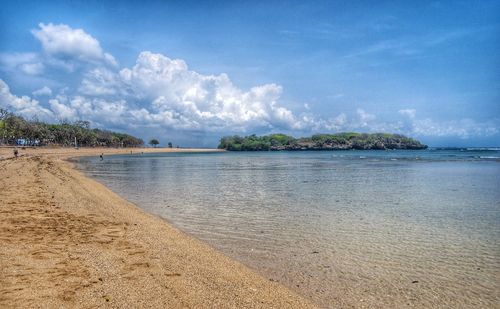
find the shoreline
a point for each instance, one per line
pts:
(69, 152)
(67, 240)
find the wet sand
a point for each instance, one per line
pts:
(66, 152)
(68, 241)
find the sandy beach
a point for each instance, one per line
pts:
(68, 241)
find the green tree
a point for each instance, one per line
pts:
(339, 141)
(154, 142)
(170, 145)
(35, 132)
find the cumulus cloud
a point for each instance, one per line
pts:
(252, 113)
(99, 111)
(101, 82)
(178, 96)
(44, 91)
(65, 43)
(62, 111)
(24, 105)
(28, 63)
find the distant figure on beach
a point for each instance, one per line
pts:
(16, 152)
(101, 156)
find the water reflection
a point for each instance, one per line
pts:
(388, 229)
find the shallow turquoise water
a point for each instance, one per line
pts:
(345, 228)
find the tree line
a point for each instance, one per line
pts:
(15, 130)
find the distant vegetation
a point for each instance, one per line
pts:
(339, 141)
(154, 142)
(15, 129)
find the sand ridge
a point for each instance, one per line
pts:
(68, 241)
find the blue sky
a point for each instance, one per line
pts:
(190, 72)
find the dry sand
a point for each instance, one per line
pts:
(68, 241)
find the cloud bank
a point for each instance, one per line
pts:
(164, 93)
(64, 43)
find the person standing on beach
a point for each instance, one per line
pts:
(16, 152)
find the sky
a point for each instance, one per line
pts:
(190, 72)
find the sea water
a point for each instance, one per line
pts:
(374, 229)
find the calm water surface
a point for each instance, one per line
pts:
(345, 228)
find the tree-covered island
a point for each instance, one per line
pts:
(338, 141)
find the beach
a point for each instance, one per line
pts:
(68, 241)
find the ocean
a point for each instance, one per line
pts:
(350, 229)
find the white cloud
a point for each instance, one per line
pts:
(62, 111)
(36, 68)
(44, 91)
(410, 113)
(65, 43)
(337, 123)
(248, 114)
(12, 60)
(28, 63)
(364, 117)
(24, 105)
(209, 102)
(464, 128)
(101, 81)
(99, 111)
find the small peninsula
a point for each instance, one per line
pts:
(338, 141)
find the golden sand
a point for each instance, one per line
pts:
(68, 241)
